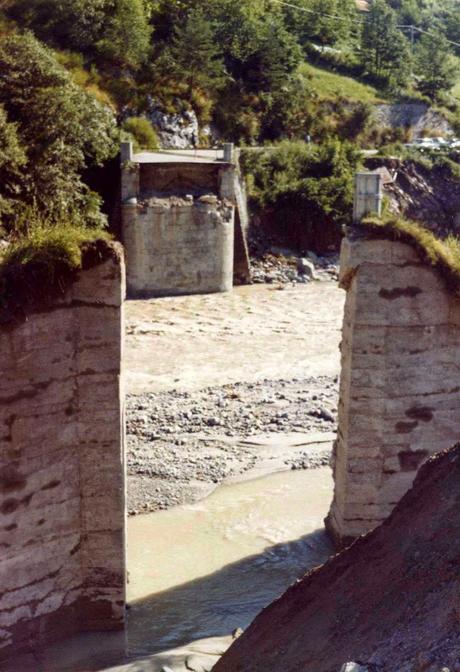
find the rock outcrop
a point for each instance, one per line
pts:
(418, 117)
(390, 602)
(176, 131)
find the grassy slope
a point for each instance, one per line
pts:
(330, 86)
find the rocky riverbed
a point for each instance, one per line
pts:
(182, 444)
(283, 265)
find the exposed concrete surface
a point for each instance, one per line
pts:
(252, 333)
(179, 246)
(184, 225)
(61, 465)
(400, 382)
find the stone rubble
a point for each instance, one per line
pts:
(284, 265)
(182, 444)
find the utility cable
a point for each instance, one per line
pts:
(341, 18)
(312, 11)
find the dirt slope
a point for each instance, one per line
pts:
(429, 196)
(390, 601)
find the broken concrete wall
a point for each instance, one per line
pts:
(62, 464)
(400, 382)
(178, 246)
(233, 189)
(173, 248)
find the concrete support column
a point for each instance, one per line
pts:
(399, 400)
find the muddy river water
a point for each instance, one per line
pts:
(206, 569)
(198, 572)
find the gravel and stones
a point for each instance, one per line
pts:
(182, 444)
(282, 265)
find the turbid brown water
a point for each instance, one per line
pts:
(198, 572)
(252, 333)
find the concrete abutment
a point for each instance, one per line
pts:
(400, 384)
(62, 464)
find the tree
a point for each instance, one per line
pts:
(384, 50)
(452, 24)
(74, 24)
(276, 57)
(324, 21)
(12, 160)
(435, 65)
(118, 30)
(61, 128)
(126, 38)
(194, 57)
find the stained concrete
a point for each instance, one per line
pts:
(62, 494)
(179, 246)
(400, 384)
(184, 225)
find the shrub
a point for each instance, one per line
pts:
(60, 128)
(39, 265)
(142, 133)
(306, 188)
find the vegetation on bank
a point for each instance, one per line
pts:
(40, 265)
(306, 184)
(442, 254)
(51, 130)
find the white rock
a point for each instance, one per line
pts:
(306, 267)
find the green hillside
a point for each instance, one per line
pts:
(256, 71)
(329, 85)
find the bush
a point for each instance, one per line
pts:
(39, 265)
(307, 189)
(142, 132)
(60, 129)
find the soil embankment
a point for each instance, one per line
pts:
(389, 602)
(427, 195)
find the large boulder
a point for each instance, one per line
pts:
(390, 602)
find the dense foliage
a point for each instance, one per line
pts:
(50, 130)
(258, 70)
(237, 62)
(208, 53)
(310, 185)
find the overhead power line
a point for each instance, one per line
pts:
(427, 32)
(341, 18)
(312, 11)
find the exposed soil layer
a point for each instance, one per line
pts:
(427, 195)
(390, 602)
